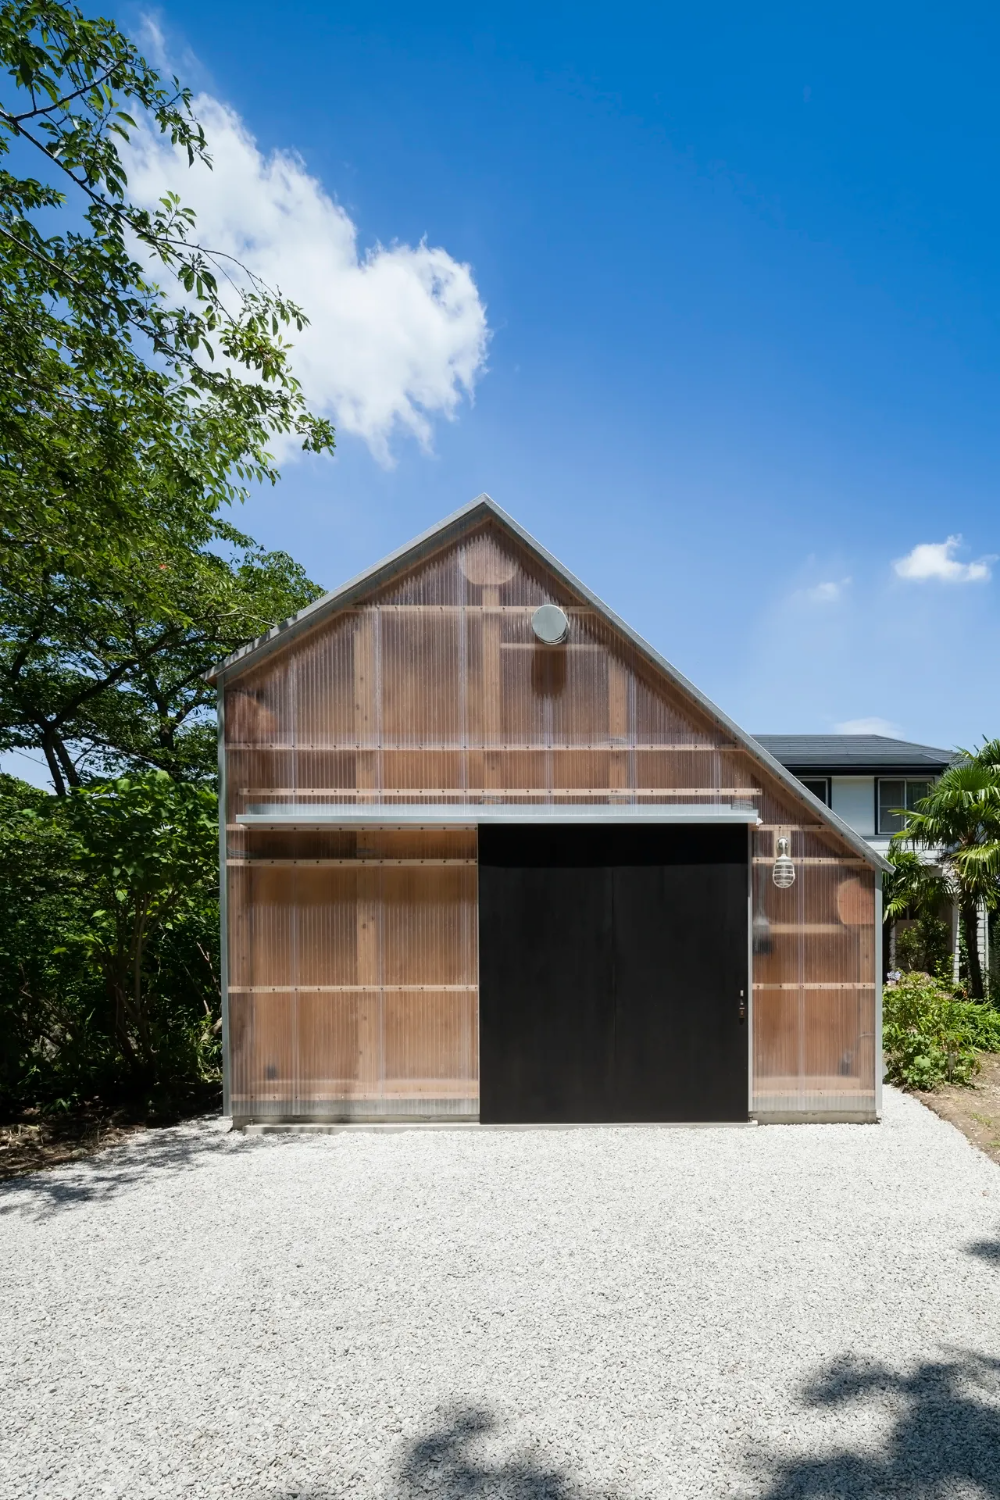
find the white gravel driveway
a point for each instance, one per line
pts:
(781, 1311)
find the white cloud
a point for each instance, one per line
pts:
(152, 41)
(829, 592)
(937, 560)
(874, 725)
(397, 334)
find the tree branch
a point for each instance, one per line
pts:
(30, 114)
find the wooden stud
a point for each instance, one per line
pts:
(346, 747)
(251, 861)
(492, 688)
(618, 723)
(352, 989)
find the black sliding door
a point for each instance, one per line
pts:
(611, 965)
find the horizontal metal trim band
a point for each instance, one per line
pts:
(408, 792)
(470, 815)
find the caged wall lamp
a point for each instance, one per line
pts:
(783, 873)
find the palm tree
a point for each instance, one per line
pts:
(913, 885)
(960, 818)
(913, 888)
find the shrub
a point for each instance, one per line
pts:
(109, 943)
(929, 1036)
(924, 944)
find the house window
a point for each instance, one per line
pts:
(895, 795)
(819, 786)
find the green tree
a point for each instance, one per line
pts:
(147, 848)
(142, 381)
(109, 981)
(50, 994)
(132, 414)
(107, 677)
(960, 817)
(913, 884)
(917, 890)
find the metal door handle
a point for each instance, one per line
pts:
(743, 1007)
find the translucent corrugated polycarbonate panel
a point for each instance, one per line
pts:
(814, 980)
(353, 974)
(437, 689)
(353, 981)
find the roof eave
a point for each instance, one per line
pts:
(863, 768)
(382, 572)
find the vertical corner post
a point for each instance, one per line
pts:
(223, 902)
(879, 1064)
(749, 995)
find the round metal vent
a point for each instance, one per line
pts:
(550, 624)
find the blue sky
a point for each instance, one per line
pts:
(741, 282)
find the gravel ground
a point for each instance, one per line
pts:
(560, 1315)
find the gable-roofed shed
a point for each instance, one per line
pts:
(471, 872)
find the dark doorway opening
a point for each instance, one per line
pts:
(612, 973)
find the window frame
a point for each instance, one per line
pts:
(811, 782)
(906, 801)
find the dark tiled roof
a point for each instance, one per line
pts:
(854, 752)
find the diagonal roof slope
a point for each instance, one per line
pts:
(481, 509)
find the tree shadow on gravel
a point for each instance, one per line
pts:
(113, 1170)
(985, 1250)
(442, 1466)
(946, 1442)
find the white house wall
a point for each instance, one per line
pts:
(853, 799)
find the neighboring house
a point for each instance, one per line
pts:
(864, 778)
(488, 855)
(867, 779)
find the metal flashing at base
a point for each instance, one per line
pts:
(817, 1117)
(403, 1122)
(334, 1127)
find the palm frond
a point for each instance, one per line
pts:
(913, 885)
(961, 809)
(960, 820)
